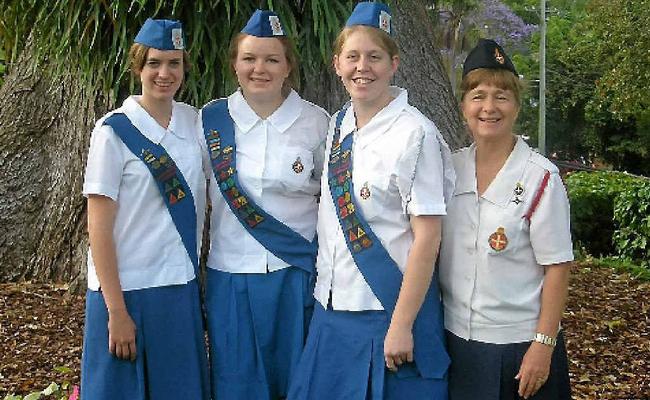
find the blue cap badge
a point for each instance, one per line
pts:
(264, 24)
(161, 34)
(372, 14)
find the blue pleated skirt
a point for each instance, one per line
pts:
(171, 361)
(487, 371)
(344, 360)
(257, 326)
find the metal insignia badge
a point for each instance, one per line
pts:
(498, 240)
(177, 39)
(365, 191)
(384, 22)
(498, 56)
(519, 190)
(297, 166)
(276, 26)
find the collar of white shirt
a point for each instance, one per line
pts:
(146, 124)
(500, 190)
(379, 124)
(281, 119)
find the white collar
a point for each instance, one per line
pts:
(146, 124)
(499, 192)
(281, 119)
(379, 123)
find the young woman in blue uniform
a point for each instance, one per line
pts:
(377, 328)
(145, 186)
(506, 249)
(265, 146)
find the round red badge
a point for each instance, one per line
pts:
(498, 240)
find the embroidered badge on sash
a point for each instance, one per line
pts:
(519, 190)
(340, 181)
(365, 191)
(165, 171)
(297, 166)
(224, 174)
(498, 240)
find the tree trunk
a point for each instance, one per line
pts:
(45, 122)
(420, 71)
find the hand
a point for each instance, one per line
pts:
(398, 347)
(121, 335)
(534, 369)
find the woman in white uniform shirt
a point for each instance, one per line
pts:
(143, 335)
(506, 249)
(383, 192)
(266, 146)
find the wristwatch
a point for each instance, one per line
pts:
(545, 339)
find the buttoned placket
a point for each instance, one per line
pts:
(262, 174)
(475, 226)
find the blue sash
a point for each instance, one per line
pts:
(175, 191)
(276, 237)
(377, 267)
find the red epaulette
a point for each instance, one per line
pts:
(538, 196)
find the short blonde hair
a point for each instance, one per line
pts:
(138, 57)
(293, 80)
(501, 78)
(377, 35)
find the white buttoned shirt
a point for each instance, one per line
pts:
(493, 295)
(150, 252)
(403, 161)
(268, 151)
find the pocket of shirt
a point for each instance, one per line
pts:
(371, 196)
(292, 168)
(502, 237)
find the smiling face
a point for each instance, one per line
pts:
(161, 74)
(365, 67)
(261, 67)
(490, 111)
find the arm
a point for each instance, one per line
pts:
(535, 365)
(121, 329)
(398, 345)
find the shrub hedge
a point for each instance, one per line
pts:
(632, 218)
(592, 197)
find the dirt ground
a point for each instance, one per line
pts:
(606, 325)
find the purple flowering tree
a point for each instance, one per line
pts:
(461, 24)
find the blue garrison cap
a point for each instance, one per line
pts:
(487, 54)
(264, 23)
(373, 14)
(161, 34)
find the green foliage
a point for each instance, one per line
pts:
(598, 69)
(622, 43)
(98, 34)
(632, 217)
(591, 195)
(54, 392)
(622, 264)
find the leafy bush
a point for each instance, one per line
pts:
(592, 197)
(632, 218)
